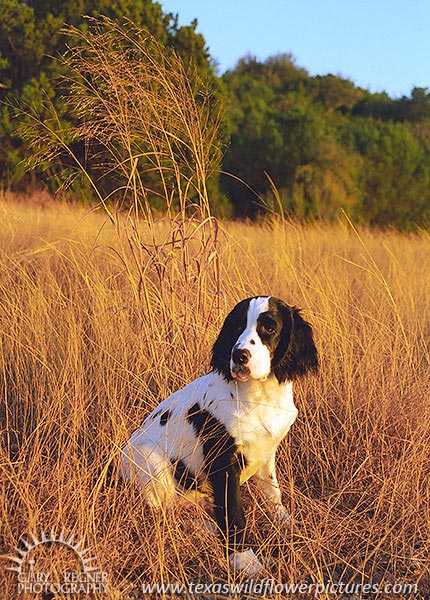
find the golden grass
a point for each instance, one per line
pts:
(101, 319)
(105, 313)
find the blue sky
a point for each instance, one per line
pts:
(381, 45)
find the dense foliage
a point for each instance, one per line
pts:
(326, 144)
(306, 145)
(33, 37)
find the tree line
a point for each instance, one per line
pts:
(306, 145)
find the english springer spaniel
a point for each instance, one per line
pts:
(223, 428)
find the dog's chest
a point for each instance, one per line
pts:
(259, 423)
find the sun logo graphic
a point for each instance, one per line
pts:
(56, 564)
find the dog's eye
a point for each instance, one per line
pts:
(268, 329)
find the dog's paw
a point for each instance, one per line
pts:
(245, 561)
(210, 526)
(281, 515)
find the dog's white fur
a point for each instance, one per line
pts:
(243, 410)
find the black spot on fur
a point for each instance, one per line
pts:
(218, 445)
(165, 417)
(223, 468)
(183, 475)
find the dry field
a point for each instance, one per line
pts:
(100, 320)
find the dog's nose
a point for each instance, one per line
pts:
(241, 356)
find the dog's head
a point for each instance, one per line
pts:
(263, 335)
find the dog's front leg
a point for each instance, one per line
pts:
(230, 517)
(267, 483)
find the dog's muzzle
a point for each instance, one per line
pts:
(239, 359)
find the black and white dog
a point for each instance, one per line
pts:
(223, 428)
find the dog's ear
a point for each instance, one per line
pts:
(296, 353)
(233, 326)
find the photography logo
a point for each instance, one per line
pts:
(83, 578)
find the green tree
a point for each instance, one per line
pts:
(325, 145)
(396, 172)
(335, 93)
(279, 130)
(31, 40)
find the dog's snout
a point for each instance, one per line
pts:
(241, 356)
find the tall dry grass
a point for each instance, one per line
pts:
(105, 312)
(82, 363)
